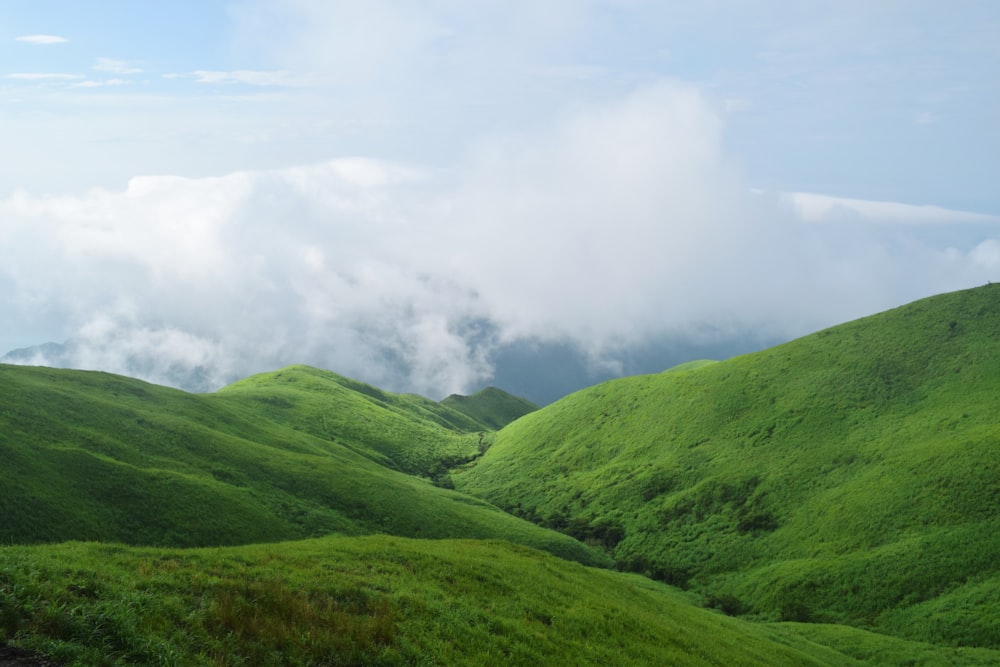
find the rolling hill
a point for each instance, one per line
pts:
(851, 476)
(832, 501)
(491, 407)
(93, 456)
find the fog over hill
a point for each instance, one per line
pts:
(530, 268)
(439, 198)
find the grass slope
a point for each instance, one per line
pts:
(93, 456)
(851, 476)
(403, 431)
(386, 601)
(491, 407)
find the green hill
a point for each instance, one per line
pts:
(389, 601)
(851, 476)
(402, 431)
(838, 494)
(93, 456)
(491, 407)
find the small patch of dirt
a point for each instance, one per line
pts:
(11, 656)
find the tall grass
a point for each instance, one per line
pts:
(383, 601)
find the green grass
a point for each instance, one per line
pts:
(847, 477)
(403, 431)
(837, 494)
(691, 365)
(385, 601)
(491, 407)
(92, 456)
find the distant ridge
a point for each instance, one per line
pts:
(491, 407)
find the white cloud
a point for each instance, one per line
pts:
(622, 223)
(101, 84)
(42, 39)
(253, 270)
(114, 66)
(251, 77)
(824, 208)
(44, 76)
(987, 255)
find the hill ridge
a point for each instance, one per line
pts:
(832, 478)
(94, 456)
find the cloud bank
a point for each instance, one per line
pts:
(619, 225)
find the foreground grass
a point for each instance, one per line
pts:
(848, 477)
(381, 601)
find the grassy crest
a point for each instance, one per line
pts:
(850, 476)
(492, 407)
(386, 601)
(403, 431)
(93, 456)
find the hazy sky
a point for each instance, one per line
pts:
(405, 192)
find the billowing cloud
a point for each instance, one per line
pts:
(622, 224)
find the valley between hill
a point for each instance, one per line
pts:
(829, 501)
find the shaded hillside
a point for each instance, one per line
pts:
(93, 456)
(851, 476)
(388, 601)
(491, 407)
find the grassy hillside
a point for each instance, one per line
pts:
(491, 407)
(402, 431)
(851, 476)
(387, 601)
(93, 456)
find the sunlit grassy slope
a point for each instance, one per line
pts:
(389, 601)
(93, 456)
(403, 431)
(851, 476)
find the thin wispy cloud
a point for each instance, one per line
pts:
(102, 84)
(42, 39)
(251, 78)
(43, 76)
(824, 208)
(114, 66)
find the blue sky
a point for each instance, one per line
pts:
(633, 160)
(889, 100)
